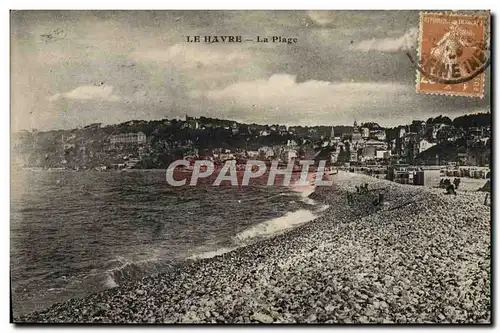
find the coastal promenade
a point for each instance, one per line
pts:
(420, 256)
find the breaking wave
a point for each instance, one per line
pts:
(272, 226)
(277, 225)
(213, 253)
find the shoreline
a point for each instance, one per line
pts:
(351, 264)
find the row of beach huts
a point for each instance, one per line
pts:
(422, 175)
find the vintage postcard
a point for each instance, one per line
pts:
(250, 167)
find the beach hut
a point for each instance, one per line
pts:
(429, 178)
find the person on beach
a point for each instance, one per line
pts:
(450, 189)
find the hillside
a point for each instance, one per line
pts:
(479, 153)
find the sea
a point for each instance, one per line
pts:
(73, 233)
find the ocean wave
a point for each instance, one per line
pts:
(305, 191)
(276, 225)
(115, 272)
(110, 282)
(133, 270)
(212, 253)
(271, 227)
(264, 229)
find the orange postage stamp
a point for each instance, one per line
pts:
(453, 54)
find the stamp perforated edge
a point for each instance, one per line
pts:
(487, 33)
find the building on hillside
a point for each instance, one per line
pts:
(266, 152)
(423, 145)
(378, 134)
(436, 128)
(226, 156)
(125, 138)
(353, 156)
(235, 129)
(289, 154)
(383, 154)
(474, 133)
(334, 156)
(365, 132)
(191, 123)
(265, 133)
(356, 135)
(410, 147)
(371, 147)
(252, 153)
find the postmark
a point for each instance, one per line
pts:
(453, 53)
(53, 35)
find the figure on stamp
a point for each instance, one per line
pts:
(450, 47)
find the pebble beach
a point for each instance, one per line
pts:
(420, 256)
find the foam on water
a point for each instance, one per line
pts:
(276, 225)
(262, 230)
(110, 282)
(308, 201)
(271, 227)
(213, 253)
(305, 191)
(118, 270)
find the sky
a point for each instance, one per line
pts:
(74, 68)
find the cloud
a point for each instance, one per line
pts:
(407, 41)
(283, 88)
(313, 101)
(192, 55)
(155, 73)
(103, 93)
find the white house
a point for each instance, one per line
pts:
(264, 133)
(252, 153)
(266, 151)
(423, 145)
(290, 154)
(383, 153)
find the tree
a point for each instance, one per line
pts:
(442, 120)
(371, 125)
(444, 134)
(473, 120)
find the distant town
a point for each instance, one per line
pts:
(138, 144)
